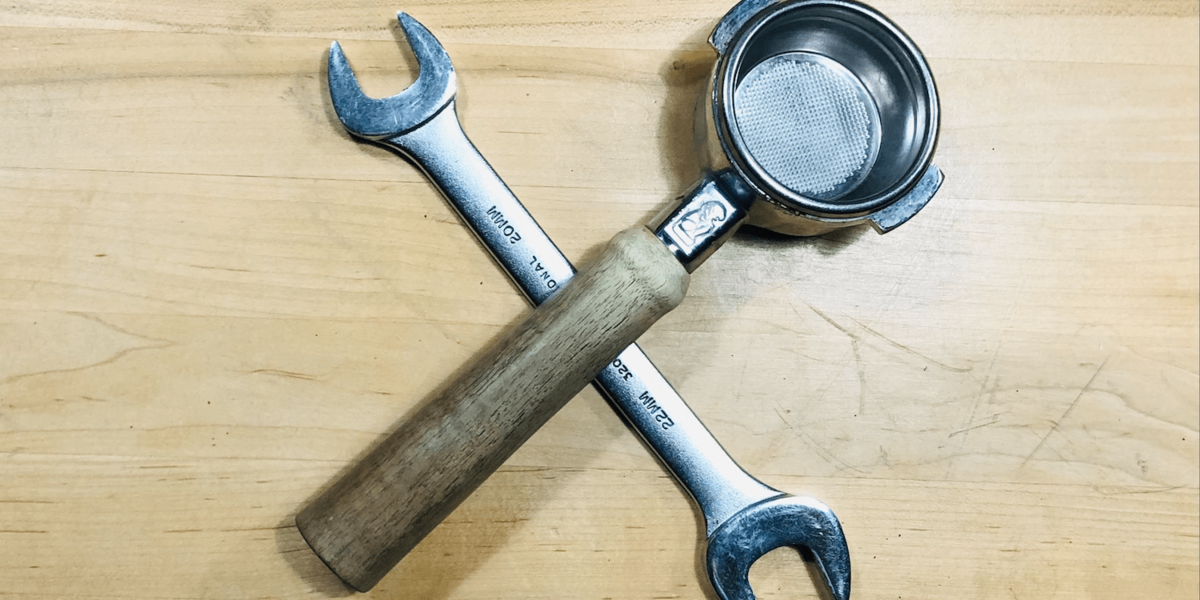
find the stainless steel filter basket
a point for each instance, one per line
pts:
(824, 109)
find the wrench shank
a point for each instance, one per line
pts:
(486, 205)
(631, 383)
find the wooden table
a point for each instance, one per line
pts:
(212, 299)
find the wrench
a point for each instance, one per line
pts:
(744, 518)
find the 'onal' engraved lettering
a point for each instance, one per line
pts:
(542, 272)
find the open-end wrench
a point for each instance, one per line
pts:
(744, 517)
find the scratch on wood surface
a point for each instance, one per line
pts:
(995, 419)
(1125, 492)
(985, 390)
(838, 463)
(274, 528)
(211, 268)
(825, 387)
(904, 348)
(282, 373)
(855, 343)
(1087, 386)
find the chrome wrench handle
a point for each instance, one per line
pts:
(631, 382)
(483, 201)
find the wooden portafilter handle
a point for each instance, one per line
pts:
(385, 504)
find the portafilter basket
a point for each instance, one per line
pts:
(820, 114)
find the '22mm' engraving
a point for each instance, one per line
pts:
(664, 420)
(660, 415)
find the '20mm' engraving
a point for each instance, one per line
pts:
(543, 273)
(501, 223)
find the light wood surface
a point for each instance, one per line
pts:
(212, 300)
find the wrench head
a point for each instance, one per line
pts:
(780, 521)
(382, 118)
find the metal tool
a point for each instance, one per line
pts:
(860, 99)
(744, 518)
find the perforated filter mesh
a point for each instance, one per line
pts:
(809, 123)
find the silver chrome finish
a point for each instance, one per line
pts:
(809, 123)
(733, 20)
(876, 80)
(819, 114)
(379, 118)
(730, 499)
(899, 213)
(700, 222)
(450, 160)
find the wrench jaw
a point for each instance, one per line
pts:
(381, 118)
(781, 521)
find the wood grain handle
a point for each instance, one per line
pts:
(385, 504)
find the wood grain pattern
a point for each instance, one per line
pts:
(211, 300)
(388, 501)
